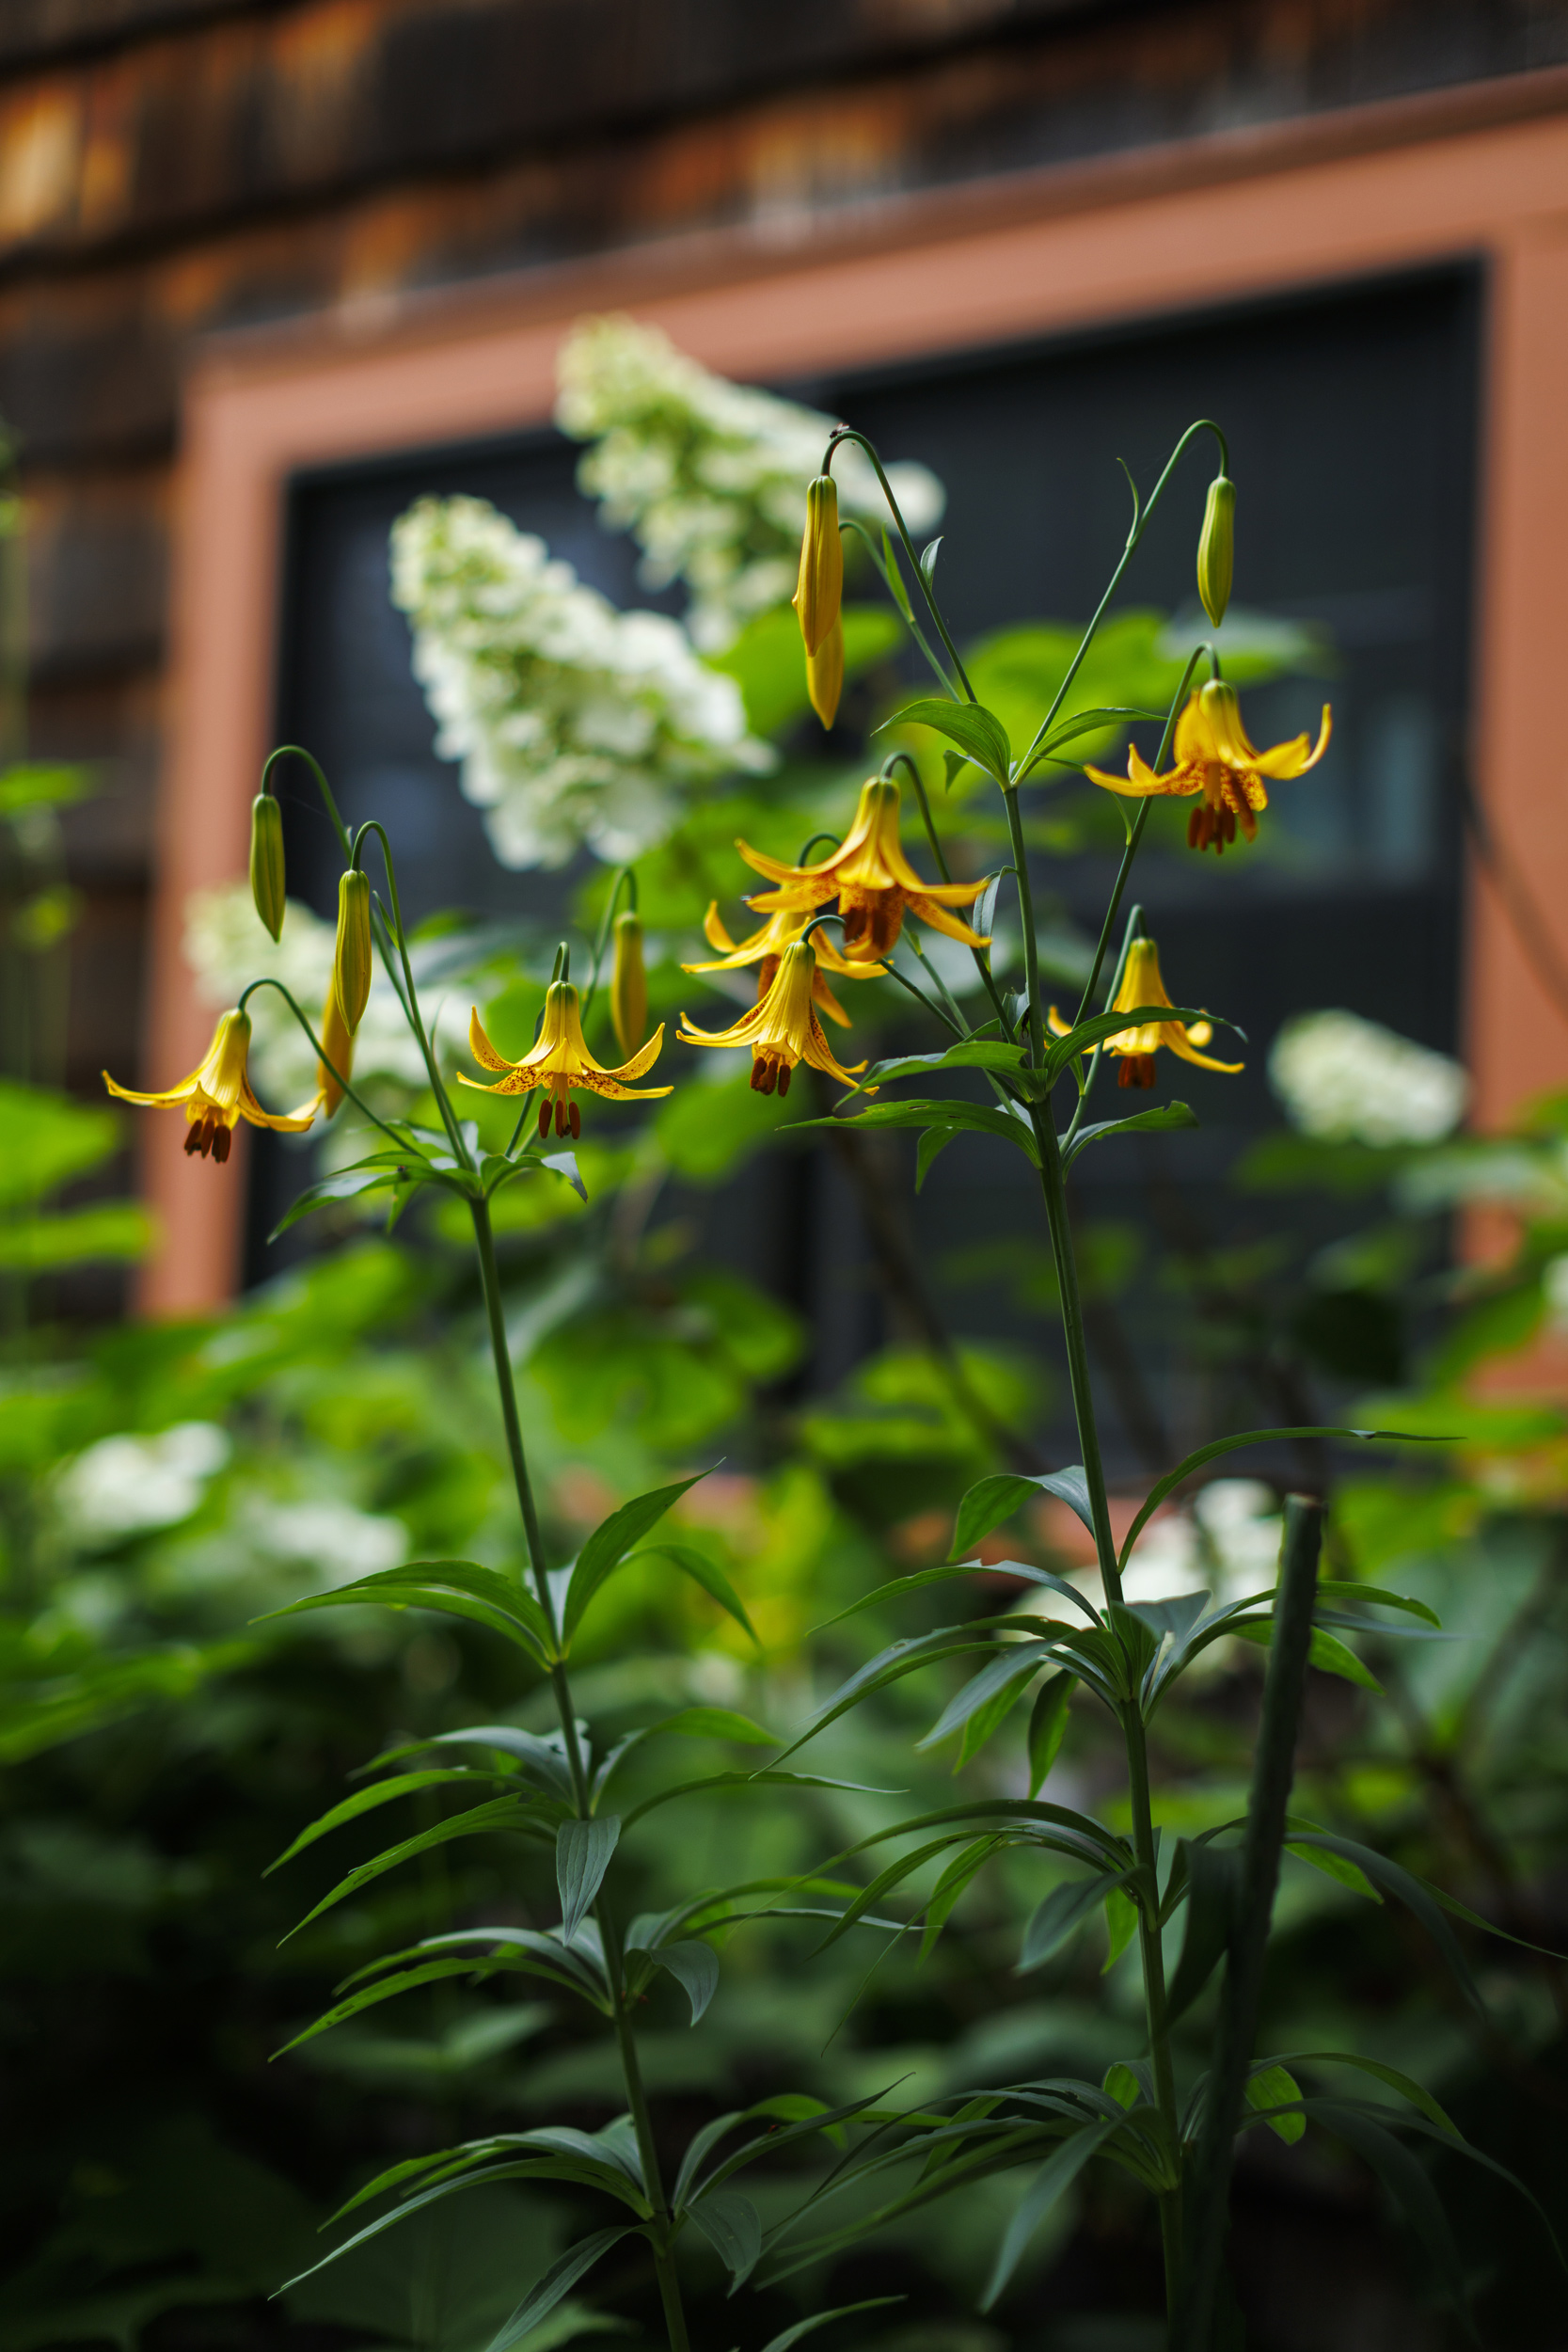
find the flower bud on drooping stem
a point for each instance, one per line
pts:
(338, 1041)
(266, 861)
(1216, 548)
(825, 674)
(351, 963)
(628, 984)
(821, 586)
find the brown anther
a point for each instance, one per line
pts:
(783, 1078)
(763, 1074)
(1136, 1070)
(545, 1118)
(222, 1138)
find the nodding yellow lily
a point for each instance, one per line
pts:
(217, 1096)
(1214, 757)
(782, 1028)
(560, 1060)
(1136, 1049)
(872, 880)
(766, 948)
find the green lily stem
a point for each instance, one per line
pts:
(1272, 1771)
(663, 2236)
(848, 432)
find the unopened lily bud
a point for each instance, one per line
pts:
(266, 861)
(628, 984)
(338, 1041)
(820, 587)
(1216, 548)
(825, 674)
(351, 964)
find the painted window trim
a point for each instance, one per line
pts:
(1218, 221)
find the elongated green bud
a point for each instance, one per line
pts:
(351, 964)
(266, 861)
(1216, 548)
(628, 984)
(820, 588)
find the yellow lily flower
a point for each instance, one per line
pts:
(562, 1061)
(766, 948)
(1214, 757)
(872, 880)
(782, 1028)
(1136, 1049)
(217, 1095)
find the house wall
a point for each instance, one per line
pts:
(367, 177)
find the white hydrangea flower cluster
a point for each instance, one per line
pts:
(1345, 1080)
(710, 476)
(227, 946)
(574, 723)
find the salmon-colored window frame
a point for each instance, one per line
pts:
(1211, 222)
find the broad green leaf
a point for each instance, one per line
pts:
(558, 2281)
(1051, 2183)
(694, 1966)
(1334, 1866)
(731, 2224)
(109, 1229)
(976, 730)
(1328, 1654)
(582, 1856)
(502, 1813)
(1275, 2087)
(1214, 1886)
(1121, 1925)
(992, 1499)
(1092, 1031)
(1162, 1120)
(611, 1540)
(1048, 1722)
(1060, 1917)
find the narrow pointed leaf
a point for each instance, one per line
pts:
(898, 1586)
(610, 1543)
(366, 1799)
(701, 1571)
(694, 1966)
(975, 729)
(732, 2227)
(995, 1498)
(1002, 1677)
(791, 2336)
(1048, 1722)
(558, 2280)
(1049, 2183)
(1214, 1875)
(1060, 1917)
(582, 1852)
(502, 1813)
(1194, 1461)
(1163, 1120)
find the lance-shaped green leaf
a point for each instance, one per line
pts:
(1062, 1913)
(1327, 1653)
(387, 1172)
(557, 2283)
(582, 1852)
(990, 1500)
(1163, 1120)
(1426, 1901)
(976, 731)
(898, 1587)
(1194, 1461)
(543, 1760)
(964, 1867)
(1408, 2185)
(749, 1780)
(1048, 1719)
(789, 2337)
(481, 2175)
(534, 1952)
(405, 1981)
(502, 1813)
(1213, 1888)
(1405, 2085)
(1049, 2183)
(453, 1588)
(701, 1569)
(951, 1116)
(901, 1658)
(731, 2224)
(972, 1052)
(694, 1966)
(366, 1799)
(1002, 1677)
(611, 1540)
(692, 1723)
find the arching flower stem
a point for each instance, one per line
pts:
(848, 432)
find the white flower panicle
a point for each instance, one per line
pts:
(1345, 1080)
(227, 947)
(709, 476)
(575, 723)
